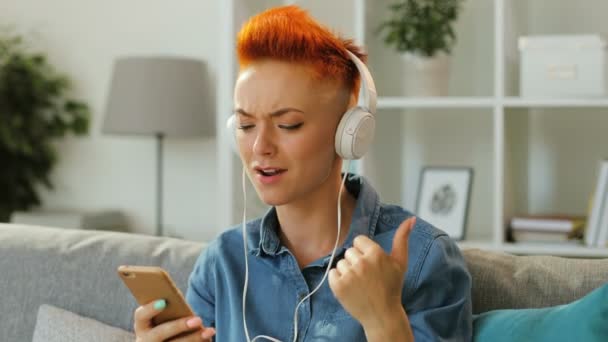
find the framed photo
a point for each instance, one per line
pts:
(443, 198)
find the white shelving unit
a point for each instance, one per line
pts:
(393, 102)
(493, 107)
(515, 102)
(539, 249)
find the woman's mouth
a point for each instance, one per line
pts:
(269, 175)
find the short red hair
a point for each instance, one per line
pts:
(288, 33)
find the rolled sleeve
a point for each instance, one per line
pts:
(439, 308)
(200, 294)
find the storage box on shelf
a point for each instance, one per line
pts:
(563, 65)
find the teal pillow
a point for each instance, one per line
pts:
(583, 320)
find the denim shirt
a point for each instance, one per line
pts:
(436, 291)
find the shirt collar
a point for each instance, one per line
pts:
(364, 220)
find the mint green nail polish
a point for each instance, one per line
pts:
(160, 304)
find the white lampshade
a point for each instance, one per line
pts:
(159, 95)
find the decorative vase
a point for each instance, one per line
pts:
(426, 76)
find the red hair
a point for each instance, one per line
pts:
(290, 34)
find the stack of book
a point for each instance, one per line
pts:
(547, 228)
(596, 232)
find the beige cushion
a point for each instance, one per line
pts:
(505, 281)
(57, 325)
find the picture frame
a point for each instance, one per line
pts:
(443, 198)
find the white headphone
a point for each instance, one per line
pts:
(356, 128)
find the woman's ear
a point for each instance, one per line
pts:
(352, 101)
(348, 99)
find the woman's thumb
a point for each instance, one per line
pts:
(400, 241)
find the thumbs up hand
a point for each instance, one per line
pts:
(368, 282)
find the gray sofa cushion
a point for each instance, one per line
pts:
(57, 325)
(504, 281)
(76, 270)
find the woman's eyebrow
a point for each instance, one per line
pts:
(276, 113)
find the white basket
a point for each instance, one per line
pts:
(563, 65)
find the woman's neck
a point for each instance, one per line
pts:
(309, 227)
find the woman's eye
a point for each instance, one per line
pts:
(245, 127)
(291, 127)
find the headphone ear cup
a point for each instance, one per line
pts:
(355, 133)
(231, 126)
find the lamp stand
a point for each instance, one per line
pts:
(159, 183)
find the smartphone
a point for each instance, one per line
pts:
(150, 283)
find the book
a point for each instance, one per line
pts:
(599, 197)
(548, 223)
(602, 233)
(536, 236)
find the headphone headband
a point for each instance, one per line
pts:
(367, 91)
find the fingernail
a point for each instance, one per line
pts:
(193, 322)
(160, 304)
(412, 223)
(208, 333)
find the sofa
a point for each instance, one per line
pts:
(75, 270)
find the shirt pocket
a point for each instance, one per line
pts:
(340, 326)
(338, 315)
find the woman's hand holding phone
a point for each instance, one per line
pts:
(175, 330)
(163, 314)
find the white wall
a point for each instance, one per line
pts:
(82, 38)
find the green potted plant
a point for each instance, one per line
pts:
(35, 112)
(422, 31)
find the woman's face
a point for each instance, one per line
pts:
(286, 124)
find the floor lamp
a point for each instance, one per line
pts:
(161, 97)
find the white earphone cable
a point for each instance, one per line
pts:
(333, 253)
(331, 259)
(247, 267)
(245, 250)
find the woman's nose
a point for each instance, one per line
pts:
(263, 144)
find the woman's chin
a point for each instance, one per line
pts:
(272, 200)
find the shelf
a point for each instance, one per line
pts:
(387, 102)
(392, 102)
(522, 102)
(538, 249)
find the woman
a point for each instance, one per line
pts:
(392, 279)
